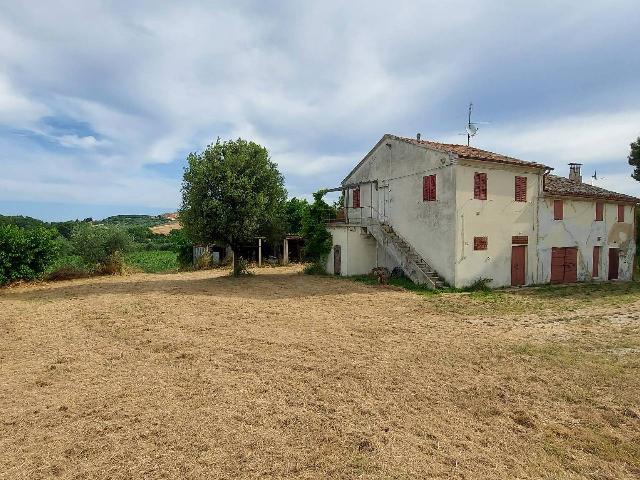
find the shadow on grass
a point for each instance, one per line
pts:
(270, 286)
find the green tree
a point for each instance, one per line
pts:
(25, 254)
(317, 239)
(98, 244)
(295, 211)
(231, 193)
(634, 159)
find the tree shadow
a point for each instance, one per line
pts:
(271, 286)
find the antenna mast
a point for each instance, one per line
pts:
(469, 123)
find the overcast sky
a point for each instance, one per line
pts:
(100, 102)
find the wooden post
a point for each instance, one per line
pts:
(285, 257)
(259, 252)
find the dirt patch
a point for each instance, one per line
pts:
(166, 228)
(199, 375)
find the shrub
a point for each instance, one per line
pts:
(112, 265)
(25, 254)
(183, 247)
(315, 268)
(241, 267)
(97, 245)
(480, 285)
(203, 262)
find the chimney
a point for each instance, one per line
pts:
(574, 172)
(418, 136)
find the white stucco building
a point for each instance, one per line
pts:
(456, 214)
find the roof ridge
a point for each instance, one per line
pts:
(467, 151)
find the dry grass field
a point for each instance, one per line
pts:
(281, 375)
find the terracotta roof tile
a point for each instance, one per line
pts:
(562, 186)
(463, 151)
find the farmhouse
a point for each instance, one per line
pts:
(458, 214)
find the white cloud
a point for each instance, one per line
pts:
(316, 82)
(76, 141)
(589, 139)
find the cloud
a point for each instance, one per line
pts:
(590, 139)
(318, 83)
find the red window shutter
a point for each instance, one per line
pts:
(356, 197)
(480, 186)
(520, 240)
(596, 261)
(558, 209)
(429, 188)
(521, 189)
(621, 213)
(599, 211)
(480, 243)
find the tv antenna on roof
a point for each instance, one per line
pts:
(472, 127)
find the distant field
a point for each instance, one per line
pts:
(281, 375)
(166, 228)
(153, 261)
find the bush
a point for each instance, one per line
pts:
(112, 265)
(183, 247)
(315, 268)
(97, 245)
(241, 267)
(26, 254)
(203, 262)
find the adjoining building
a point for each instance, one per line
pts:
(459, 214)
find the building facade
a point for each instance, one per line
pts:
(456, 214)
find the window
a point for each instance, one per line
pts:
(621, 213)
(356, 197)
(429, 188)
(558, 209)
(599, 211)
(520, 240)
(480, 186)
(596, 261)
(480, 243)
(521, 189)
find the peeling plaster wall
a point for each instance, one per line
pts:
(579, 229)
(498, 218)
(358, 250)
(428, 226)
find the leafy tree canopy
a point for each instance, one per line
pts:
(634, 159)
(295, 211)
(231, 193)
(317, 239)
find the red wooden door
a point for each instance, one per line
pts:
(614, 263)
(596, 261)
(518, 264)
(571, 265)
(564, 264)
(557, 265)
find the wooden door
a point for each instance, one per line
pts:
(557, 265)
(337, 260)
(570, 265)
(564, 265)
(614, 263)
(518, 264)
(596, 262)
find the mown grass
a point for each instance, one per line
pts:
(152, 261)
(481, 300)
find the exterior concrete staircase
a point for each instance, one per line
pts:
(414, 266)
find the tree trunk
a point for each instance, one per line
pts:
(236, 260)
